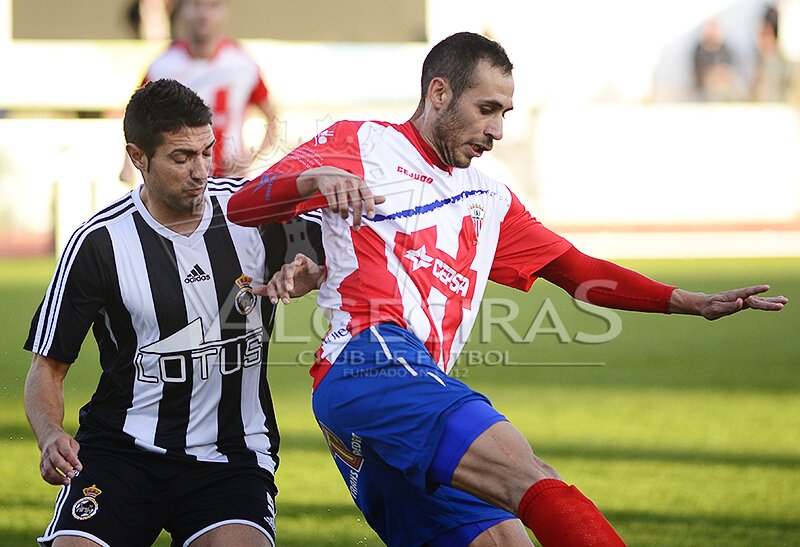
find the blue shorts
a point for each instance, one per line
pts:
(397, 427)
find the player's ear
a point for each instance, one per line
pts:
(439, 93)
(137, 155)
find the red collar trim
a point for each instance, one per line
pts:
(426, 150)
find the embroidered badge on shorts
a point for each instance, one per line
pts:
(244, 300)
(87, 507)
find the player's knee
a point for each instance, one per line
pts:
(525, 477)
(544, 470)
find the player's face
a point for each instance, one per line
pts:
(175, 177)
(468, 127)
(203, 19)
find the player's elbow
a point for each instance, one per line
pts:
(242, 212)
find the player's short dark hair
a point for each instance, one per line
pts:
(456, 57)
(159, 107)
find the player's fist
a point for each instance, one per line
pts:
(60, 463)
(295, 279)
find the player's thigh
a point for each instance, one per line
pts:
(241, 535)
(499, 466)
(509, 533)
(212, 497)
(73, 541)
(395, 409)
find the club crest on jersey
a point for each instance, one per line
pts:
(87, 507)
(244, 300)
(477, 213)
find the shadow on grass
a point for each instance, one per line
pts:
(694, 457)
(729, 525)
(19, 538)
(16, 432)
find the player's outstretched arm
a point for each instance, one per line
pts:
(342, 190)
(44, 406)
(607, 284)
(299, 277)
(714, 306)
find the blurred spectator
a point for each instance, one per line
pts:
(224, 75)
(715, 73)
(773, 72)
(151, 19)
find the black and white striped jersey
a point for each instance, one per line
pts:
(183, 370)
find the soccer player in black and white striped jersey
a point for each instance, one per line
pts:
(180, 433)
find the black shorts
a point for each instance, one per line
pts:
(126, 499)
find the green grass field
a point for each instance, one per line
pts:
(684, 432)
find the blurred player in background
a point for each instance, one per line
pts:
(412, 234)
(180, 433)
(225, 76)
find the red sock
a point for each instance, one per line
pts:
(560, 516)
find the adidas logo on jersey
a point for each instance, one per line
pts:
(196, 275)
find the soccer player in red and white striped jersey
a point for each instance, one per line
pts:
(413, 233)
(225, 76)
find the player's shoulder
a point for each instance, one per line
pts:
(230, 49)
(98, 224)
(222, 189)
(114, 212)
(224, 186)
(347, 125)
(339, 132)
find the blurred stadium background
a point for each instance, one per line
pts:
(607, 144)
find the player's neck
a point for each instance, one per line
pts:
(180, 222)
(202, 48)
(422, 123)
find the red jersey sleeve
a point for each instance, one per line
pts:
(524, 247)
(606, 284)
(273, 196)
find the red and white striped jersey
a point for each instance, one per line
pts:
(423, 261)
(228, 82)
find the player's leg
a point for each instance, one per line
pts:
(107, 503)
(233, 534)
(73, 541)
(509, 533)
(500, 467)
(381, 410)
(222, 504)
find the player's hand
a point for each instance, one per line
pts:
(714, 306)
(299, 277)
(343, 191)
(60, 463)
